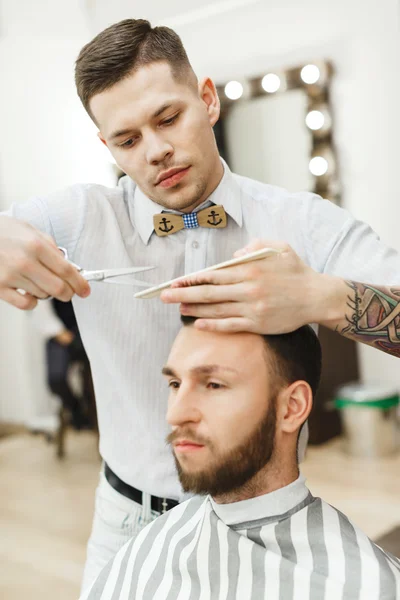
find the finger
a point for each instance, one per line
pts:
(205, 294)
(223, 310)
(38, 281)
(31, 288)
(23, 302)
(258, 244)
(229, 275)
(48, 283)
(49, 239)
(53, 259)
(233, 325)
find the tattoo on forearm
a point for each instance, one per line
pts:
(373, 316)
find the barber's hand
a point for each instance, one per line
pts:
(65, 337)
(31, 261)
(273, 295)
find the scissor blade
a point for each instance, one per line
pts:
(103, 274)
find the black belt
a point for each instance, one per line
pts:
(160, 505)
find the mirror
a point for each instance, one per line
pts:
(277, 128)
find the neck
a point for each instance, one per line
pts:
(272, 477)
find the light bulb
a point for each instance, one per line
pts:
(315, 120)
(318, 166)
(271, 83)
(233, 90)
(310, 74)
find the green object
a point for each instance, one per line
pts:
(383, 403)
(366, 396)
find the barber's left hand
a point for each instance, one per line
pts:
(269, 296)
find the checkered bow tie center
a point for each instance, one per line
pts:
(213, 217)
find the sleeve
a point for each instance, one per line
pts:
(45, 320)
(338, 244)
(61, 215)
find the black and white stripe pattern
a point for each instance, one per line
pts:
(312, 552)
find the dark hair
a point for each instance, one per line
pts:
(120, 49)
(295, 356)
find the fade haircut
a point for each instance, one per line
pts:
(121, 49)
(291, 356)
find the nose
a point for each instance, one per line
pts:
(183, 407)
(158, 149)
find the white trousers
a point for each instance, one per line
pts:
(117, 519)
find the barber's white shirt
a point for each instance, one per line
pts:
(128, 340)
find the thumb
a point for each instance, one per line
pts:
(258, 244)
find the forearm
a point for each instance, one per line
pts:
(368, 314)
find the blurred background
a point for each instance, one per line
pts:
(310, 96)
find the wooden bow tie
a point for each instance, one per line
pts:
(167, 223)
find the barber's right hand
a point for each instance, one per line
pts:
(31, 261)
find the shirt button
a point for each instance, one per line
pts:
(195, 245)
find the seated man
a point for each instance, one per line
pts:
(253, 530)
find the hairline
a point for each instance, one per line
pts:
(177, 73)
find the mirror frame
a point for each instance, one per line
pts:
(318, 98)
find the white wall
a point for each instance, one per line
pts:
(47, 142)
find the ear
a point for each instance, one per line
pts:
(296, 406)
(208, 93)
(101, 138)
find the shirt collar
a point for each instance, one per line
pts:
(269, 505)
(227, 193)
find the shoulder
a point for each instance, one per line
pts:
(275, 197)
(351, 540)
(77, 196)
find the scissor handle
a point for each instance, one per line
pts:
(65, 252)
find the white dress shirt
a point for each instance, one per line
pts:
(128, 340)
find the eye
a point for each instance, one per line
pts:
(214, 386)
(128, 144)
(170, 120)
(174, 385)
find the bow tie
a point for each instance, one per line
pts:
(167, 223)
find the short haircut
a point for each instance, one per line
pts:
(291, 356)
(119, 50)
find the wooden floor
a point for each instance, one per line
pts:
(46, 507)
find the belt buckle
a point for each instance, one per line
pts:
(164, 505)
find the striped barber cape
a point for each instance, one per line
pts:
(311, 552)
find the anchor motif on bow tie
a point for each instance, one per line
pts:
(166, 229)
(214, 216)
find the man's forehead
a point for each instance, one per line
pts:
(194, 348)
(136, 97)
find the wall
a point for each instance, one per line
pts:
(47, 142)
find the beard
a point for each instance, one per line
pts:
(234, 469)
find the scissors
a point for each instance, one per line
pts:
(108, 274)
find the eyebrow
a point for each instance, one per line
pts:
(203, 370)
(157, 113)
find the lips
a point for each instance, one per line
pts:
(171, 177)
(186, 445)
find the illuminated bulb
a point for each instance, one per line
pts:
(310, 74)
(315, 120)
(271, 83)
(318, 166)
(233, 90)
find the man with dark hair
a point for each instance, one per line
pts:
(157, 121)
(236, 404)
